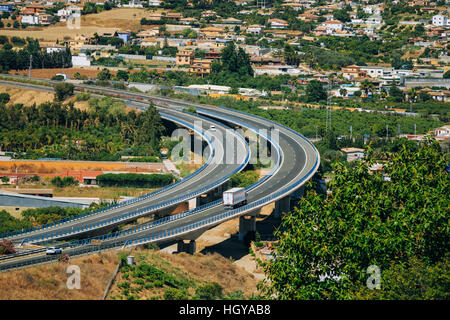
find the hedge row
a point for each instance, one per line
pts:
(135, 180)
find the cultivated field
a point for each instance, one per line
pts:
(120, 19)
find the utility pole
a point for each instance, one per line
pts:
(387, 132)
(316, 132)
(414, 129)
(30, 67)
(398, 131)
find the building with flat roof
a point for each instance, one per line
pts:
(353, 153)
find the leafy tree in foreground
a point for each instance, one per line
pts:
(326, 245)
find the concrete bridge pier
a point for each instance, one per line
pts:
(189, 247)
(282, 205)
(247, 226)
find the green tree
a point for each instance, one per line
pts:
(365, 221)
(105, 74)
(63, 91)
(447, 75)
(396, 94)
(315, 91)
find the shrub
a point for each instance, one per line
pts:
(83, 96)
(135, 180)
(176, 294)
(63, 91)
(64, 182)
(210, 291)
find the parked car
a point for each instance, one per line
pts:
(53, 250)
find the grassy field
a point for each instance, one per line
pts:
(181, 273)
(48, 282)
(119, 19)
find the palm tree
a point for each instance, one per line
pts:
(367, 86)
(343, 92)
(412, 94)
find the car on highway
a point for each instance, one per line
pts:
(212, 128)
(53, 250)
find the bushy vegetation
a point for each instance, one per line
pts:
(20, 59)
(400, 226)
(64, 182)
(135, 180)
(39, 216)
(105, 131)
(244, 179)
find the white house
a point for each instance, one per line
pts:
(30, 19)
(54, 48)
(278, 24)
(154, 3)
(439, 20)
(373, 72)
(81, 61)
(255, 29)
(375, 19)
(442, 131)
(332, 26)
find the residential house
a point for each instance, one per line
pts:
(278, 24)
(155, 3)
(173, 16)
(29, 19)
(124, 35)
(212, 55)
(208, 14)
(200, 67)
(373, 72)
(308, 17)
(352, 72)
(293, 5)
(185, 57)
(255, 29)
(232, 21)
(332, 26)
(188, 21)
(439, 20)
(353, 153)
(443, 132)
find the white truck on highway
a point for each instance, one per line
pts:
(234, 198)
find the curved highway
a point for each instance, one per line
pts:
(295, 161)
(216, 172)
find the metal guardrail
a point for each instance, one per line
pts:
(134, 214)
(124, 203)
(223, 216)
(182, 214)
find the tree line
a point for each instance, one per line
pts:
(105, 131)
(134, 180)
(20, 59)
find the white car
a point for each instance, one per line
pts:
(53, 250)
(212, 128)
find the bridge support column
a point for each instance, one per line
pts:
(282, 205)
(189, 247)
(247, 226)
